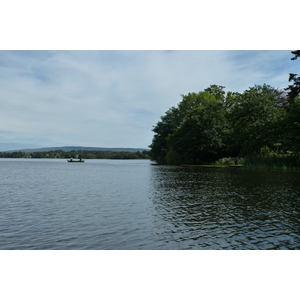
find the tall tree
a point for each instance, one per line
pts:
(167, 125)
(294, 88)
(256, 120)
(292, 127)
(200, 138)
(193, 131)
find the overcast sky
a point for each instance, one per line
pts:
(114, 98)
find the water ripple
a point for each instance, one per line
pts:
(50, 204)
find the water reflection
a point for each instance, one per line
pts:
(197, 208)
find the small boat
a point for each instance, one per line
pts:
(72, 160)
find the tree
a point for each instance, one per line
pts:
(292, 126)
(256, 120)
(193, 131)
(296, 53)
(294, 89)
(200, 139)
(167, 125)
(17, 154)
(212, 124)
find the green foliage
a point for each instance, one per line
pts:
(17, 154)
(81, 153)
(256, 120)
(167, 125)
(193, 132)
(292, 127)
(200, 137)
(292, 122)
(212, 124)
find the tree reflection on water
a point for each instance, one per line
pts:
(203, 208)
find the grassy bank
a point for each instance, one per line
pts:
(272, 162)
(222, 163)
(262, 162)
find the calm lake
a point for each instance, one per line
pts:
(133, 204)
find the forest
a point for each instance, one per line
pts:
(86, 154)
(263, 122)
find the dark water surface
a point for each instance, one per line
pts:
(131, 204)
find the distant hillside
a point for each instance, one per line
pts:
(77, 148)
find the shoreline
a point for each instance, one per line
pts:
(213, 166)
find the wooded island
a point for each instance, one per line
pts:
(260, 125)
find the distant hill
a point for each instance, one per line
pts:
(77, 148)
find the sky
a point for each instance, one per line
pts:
(102, 74)
(113, 98)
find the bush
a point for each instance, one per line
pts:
(230, 161)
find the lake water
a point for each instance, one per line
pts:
(133, 204)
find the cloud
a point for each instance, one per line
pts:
(113, 98)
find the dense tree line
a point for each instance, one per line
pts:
(212, 124)
(80, 154)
